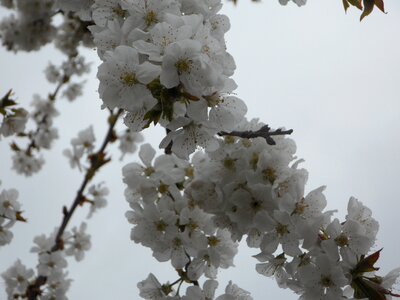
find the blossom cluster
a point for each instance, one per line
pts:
(32, 26)
(166, 62)
(14, 118)
(83, 145)
(28, 160)
(51, 266)
(193, 215)
(10, 213)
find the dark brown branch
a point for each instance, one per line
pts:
(264, 132)
(168, 149)
(51, 98)
(97, 160)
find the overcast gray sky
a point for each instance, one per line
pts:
(332, 79)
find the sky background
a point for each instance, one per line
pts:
(332, 79)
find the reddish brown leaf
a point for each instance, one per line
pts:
(356, 3)
(346, 5)
(368, 8)
(19, 217)
(379, 4)
(366, 264)
(363, 288)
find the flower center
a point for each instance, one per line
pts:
(342, 240)
(129, 79)
(183, 65)
(254, 161)
(326, 281)
(150, 18)
(118, 11)
(281, 229)
(148, 171)
(213, 241)
(256, 205)
(270, 175)
(163, 188)
(300, 207)
(229, 163)
(161, 225)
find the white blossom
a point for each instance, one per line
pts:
(17, 278)
(73, 91)
(128, 141)
(123, 80)
(78, 242)
(26, 164)
(151, 289)
(14, 123)
(98, 200)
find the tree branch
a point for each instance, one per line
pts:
(264, 132)
(97, 160)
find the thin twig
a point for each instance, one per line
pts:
(97, 160)
(264, 132)
(51, 98)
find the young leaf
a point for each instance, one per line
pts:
(346, 5)
(356, 3)
(368, 8)
(379, 4)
